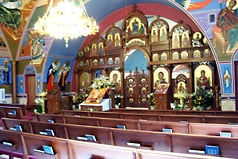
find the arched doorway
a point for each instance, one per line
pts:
(136, 79)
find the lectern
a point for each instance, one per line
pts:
(53, 102)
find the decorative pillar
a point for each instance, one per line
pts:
(14, 92)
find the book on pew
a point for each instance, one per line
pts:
(225, 134)
(134, 144)
(48, 149)
(196, 151)
(50, 132)
(5, 156)
(168, 130)
(16, 128)
(12, 112)
(82, 138)
(39, 150)
(90, 137)
(212, 150)
(7, 143)
(121, 126)
(50, 121)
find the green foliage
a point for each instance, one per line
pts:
(202, 99)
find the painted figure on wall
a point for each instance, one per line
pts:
(62, 76)
(115, 80)
(227, 20)
(6, 72)
(51, 74)
(154, 35)
(161, 80)
(203, 80)
(227, 79)
(117, 41)
(163, 34)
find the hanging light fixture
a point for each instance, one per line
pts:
(66, 21)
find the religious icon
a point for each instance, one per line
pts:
(62, 76)
(227, 78)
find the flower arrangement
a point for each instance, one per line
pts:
(102, 82)
(81, 96)
(202, 99)
(177, 106)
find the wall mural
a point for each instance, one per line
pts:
(226, 72)
(5, 71)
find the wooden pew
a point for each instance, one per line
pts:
(183, 112)
(221, 119)
(213, 129)
(141, 139)
(105, 115)
(50, 118)
(11, 144)
(49, 129)
(176, 127)
(34, 146)
(22, 106)
(17, 125)
(79, 120)
(119, 123)
(150, 154)
(74, 112)
(183, 143)
(89, 133)
(82, 150)
(186, 118)
(12, 112)
(154, 117)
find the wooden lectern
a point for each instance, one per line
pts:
(162, 98)
(53, 102)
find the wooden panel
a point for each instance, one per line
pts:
(146, 139)
(34, 141)
(102, 135)
(82, 150)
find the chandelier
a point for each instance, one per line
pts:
(66, 21)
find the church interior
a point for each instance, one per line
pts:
(138, 79)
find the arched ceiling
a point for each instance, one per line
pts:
(108, 12)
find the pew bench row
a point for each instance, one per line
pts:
(16, 111)
(175, 112)
(176, 127)
(157, 117)
(150, 140)
(21, 145)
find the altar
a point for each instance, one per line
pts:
(104, 105)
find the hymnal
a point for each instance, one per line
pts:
(196, 151)
(7, 143)
(133, 144)
(90, 137)
(82, 138)
(225, 134)
(50, 132)
(51, 121)
(38, 150)
(48, 149)
(212, 150)
(12, 112)
(18, 128)
(43, 133)
(121, 126)
(167, 130)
